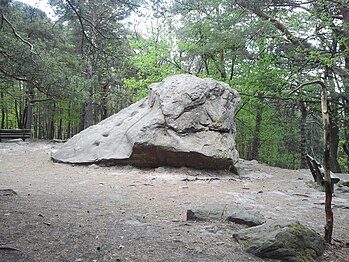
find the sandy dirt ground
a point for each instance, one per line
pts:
(88, 213)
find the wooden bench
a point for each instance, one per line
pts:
(318, 172)
(15, 133)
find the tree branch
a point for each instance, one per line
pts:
(3, 18)
(306, 84)
(257, 11)
(80, 22)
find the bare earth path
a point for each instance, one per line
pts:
(89, 213)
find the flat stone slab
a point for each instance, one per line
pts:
(7, 192)
(233, 213)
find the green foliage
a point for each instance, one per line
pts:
(88, 59)
(151, 62)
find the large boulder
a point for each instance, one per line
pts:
(284, 240)
(184, 121)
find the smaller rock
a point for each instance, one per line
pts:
(233, 213)
(160, 169)
(343, 189)
(345, 183)
(246, 217)
(284, 240)
(7, 192)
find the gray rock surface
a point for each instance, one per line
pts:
(185, 121)
(284, 240)
(233, 213)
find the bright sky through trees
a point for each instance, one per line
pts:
(41, 4)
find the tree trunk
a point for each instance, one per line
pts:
(50, 121)
(304, 146)
(29, 110)
(69, 122)
(327, 178)
(205, 60)
(35, 122)
(89, 112)
(60, 133)
(104, 101)
(334, 142)
(256, 136)
(82, 117)
(222, 65)
(232, 67)
(2, 110)
(89, 102)
(41, 121)
(345, 14)
(18, 114)
(90, 70)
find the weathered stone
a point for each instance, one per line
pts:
(284, 240)
(233, 213)
(185, 121)
(7, 192)
(345, 183)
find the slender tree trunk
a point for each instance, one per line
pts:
(256, 136)
(345, 14)
(232, 67)
(41, 121)
(29, 110)
(59, 131)
(69, 122)
(18, 114)
(89, 102)
(104, 101)
(3, 109)
(304, 146)
(346, 151)
(35, 122)
(327, 178)
(6, 117)
(50, 121)
(90, 70)
(334, 142)
(89, 113)
(222, 65)
(82, 117)
(205, 60)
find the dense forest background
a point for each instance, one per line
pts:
(60, 75)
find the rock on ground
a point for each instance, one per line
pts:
(233, 213)
(185, 121)
(284, 240)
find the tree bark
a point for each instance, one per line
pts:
(256, 136)
(2, 110)
(60, 125)
(304, 145)
(327, 178)
(82, 117)
(69, 122)
(222, 65)
(40, 124)
(345, 14)
(334, 142)
(104, 101)
(89, 102)
(28, 116)
(50, 121)
(232, 67)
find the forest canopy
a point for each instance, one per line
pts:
(60, 76)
